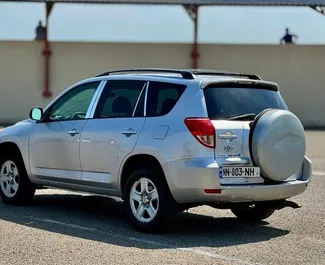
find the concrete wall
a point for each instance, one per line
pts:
(299, 70)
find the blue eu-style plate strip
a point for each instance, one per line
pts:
(220, 172)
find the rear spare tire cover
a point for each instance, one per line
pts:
(278, 144)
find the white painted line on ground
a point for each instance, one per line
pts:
(150, 242)
(315, 240)
(318, 173)
(192, 250)
(64, 224)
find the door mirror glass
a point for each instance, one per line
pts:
(36, 114)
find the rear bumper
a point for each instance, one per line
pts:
(187, 180)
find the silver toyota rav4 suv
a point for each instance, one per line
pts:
(164, 141)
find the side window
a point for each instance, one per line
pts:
(119, 99)
(162, 97)
(74, 104)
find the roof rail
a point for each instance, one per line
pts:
(185, 74)
(222, 73)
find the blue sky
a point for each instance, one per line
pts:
(127, 23)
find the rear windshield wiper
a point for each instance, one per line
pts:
(249, 116)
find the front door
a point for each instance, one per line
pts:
(54, 142)
(113, 131)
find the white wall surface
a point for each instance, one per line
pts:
(299, 70)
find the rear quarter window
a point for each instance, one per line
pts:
(162, 97)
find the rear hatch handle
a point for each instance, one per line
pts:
(227, 136)
(236, 161)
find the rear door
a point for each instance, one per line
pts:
(112, 132)
(231, 108)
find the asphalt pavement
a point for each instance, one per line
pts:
(62, 227)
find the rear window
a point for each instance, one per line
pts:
(224, 103)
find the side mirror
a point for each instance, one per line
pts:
(36, 114)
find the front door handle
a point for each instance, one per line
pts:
(129, 132)
(73, 132)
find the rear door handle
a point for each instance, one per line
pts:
(129, 132)
(73, 132)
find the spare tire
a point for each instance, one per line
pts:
(277, 144)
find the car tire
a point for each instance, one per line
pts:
(254, 214)
(15, 186)
(149, 203)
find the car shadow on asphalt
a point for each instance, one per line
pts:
(103, 219)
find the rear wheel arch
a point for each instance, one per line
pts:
(136, 162)
(149, 203)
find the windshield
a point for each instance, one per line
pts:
(225, 103)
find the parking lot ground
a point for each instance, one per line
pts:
(63, 227)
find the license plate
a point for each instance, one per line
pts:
(239, 172)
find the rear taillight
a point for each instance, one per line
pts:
(203, 130)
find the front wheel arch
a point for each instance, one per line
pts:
(12, 148)
(26, 189)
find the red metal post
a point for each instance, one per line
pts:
(193, 11)
(47, 53)
(195, 53)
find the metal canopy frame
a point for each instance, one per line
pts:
(189, 2)
(319, 9)
(191, 7)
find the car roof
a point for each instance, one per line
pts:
(203, 77)
(184, 73)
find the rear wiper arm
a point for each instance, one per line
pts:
(243, 117)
